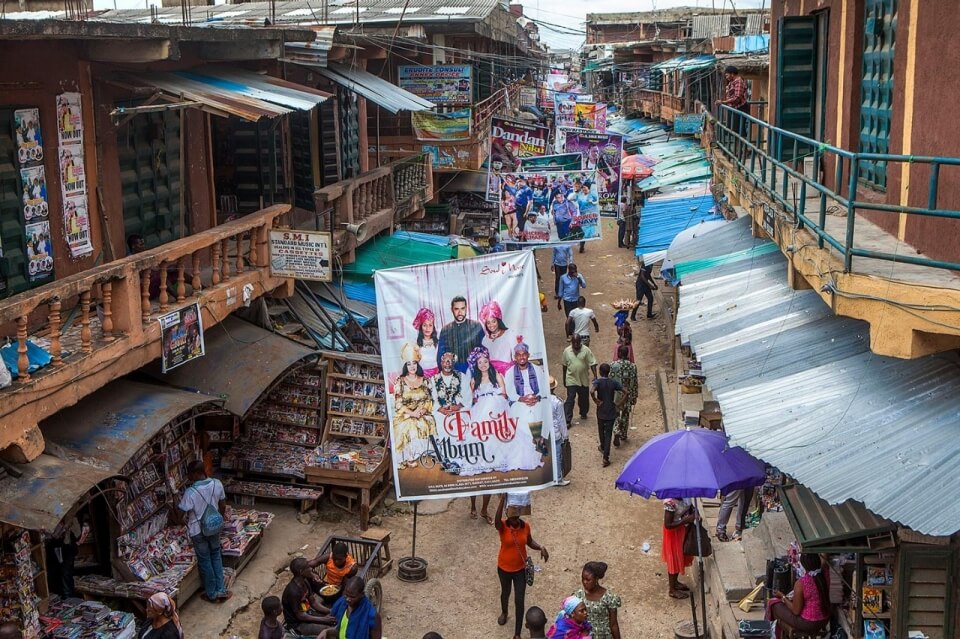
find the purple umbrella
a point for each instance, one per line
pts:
(689, 463)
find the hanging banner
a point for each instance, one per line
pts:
(26, 122)
(39, 250)
(69, 119)
(687, 124)
(72, 175)
(35, 203)
(558, 162)
(181, 337)
(528, 96)
(449, 157)
(564, 114)
(509, 142)
(549, 207)
(447, 85)
(302, 255)
(76, 222)
(441, 127)
(465, 364)
(601, 152)
(557, 81)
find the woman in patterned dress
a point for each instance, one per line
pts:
(601, 603)
(413, 408)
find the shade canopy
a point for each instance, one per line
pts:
(694, 462)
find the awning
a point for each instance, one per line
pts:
(232, 91)
(241, 362)
(377, 90)
(107, 428)
(822, 527)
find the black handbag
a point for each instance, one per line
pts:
(566, 461)
(690, 541)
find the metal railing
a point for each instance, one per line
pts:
(769, 158)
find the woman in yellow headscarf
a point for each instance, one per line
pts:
(413, 408)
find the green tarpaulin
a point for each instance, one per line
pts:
(393, 251)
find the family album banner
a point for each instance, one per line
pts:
(465, 364)
(510, 141)
(447, 85)
(550, 207)
(601, 152)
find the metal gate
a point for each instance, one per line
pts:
(876, 87)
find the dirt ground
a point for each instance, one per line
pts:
(588, 520)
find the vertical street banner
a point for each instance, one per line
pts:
(601, 152)
(445, 85)
(181, 337)
(509, 142)
(465, 365)
(26, 122)
(551, 207)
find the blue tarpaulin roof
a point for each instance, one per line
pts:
(751, 43)
(663, 216)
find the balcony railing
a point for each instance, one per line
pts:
(378, 199)
(774, 160)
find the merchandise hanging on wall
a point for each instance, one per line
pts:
(465, 364)
(601, 152)
(181, 337)
(29, 139)
(509, 142)
(35, 204)
(549, 207)
(39, 250)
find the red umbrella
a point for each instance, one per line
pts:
(632, 168)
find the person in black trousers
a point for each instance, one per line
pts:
(515, 538)
(645, 287)
(604, 396)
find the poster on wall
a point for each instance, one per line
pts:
(447, 85)
(601, 152)
(449, 157)
(302, 255)
(34, 196)
(181, 337)
(509, 142)
(557, 162)
(465, 364)
(441, 127)
(582, 115)
(69, 119)
(76, 222)
(557, 81)
(39, 250)
(549, 207)
(72, 175)
(26, 122)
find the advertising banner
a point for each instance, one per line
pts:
(549, 207)
(687, 124)
(34, 195)
(465, 365)
(449, 157)
(447, 85)
(69, 119)
(441, 127)
(39, 250)
(302, 255)
(509, 142)
(29, 140)
(601, 152)
(528, 96)
(555, 82)
(71, 170)
(76, 223)
(558, 162)
(582, 115)
(181, 337)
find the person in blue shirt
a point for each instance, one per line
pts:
(562, 258)
(563, 212)
(523, 200)
(570, 286)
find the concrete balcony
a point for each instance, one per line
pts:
(810, 199)
(101, 324)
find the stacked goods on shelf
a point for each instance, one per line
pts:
(276, 491)
(267, 458)
(78, 619)
(290, 413)
(18, 594)
(243, 529)
(345, 455)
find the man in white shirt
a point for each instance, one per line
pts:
(201, 493)
(560, 432)
(578, 322)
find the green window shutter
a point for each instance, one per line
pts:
(796, 79)
(876, 87)
(925, 591)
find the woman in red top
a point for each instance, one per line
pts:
(515, 538)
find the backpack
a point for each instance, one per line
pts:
(211, 522)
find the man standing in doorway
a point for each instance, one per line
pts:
(578, 321)
(204, 492)
(570, 285)
(579, 365)
(604, 395)
(562, 258)
(460, 336)
(736, 97)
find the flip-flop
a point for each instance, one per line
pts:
(722, 536)
(683, 587)
(473, 514)
(488, 518)
(681, 594)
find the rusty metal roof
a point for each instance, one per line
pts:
(242, 362)
(823, 527)
(227, 91)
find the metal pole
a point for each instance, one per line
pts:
(703, 591)
(413, 552)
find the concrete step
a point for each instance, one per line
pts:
(734, 571)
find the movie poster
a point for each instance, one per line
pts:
(558, 162)
(76, 223)
(39, 250)
(34, 196)
(549, 207)
(510, 141)
(26, 122)
(582, 115)
(69, 119)
(181, 337)
(465, 365)
(72, 174)
(601, 152)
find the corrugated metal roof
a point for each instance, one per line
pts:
(821, 527)
(307, 13)
(389, 96)
(800, 389)
(711, 26)
(233, 91)
(663, 216)
(311, 53)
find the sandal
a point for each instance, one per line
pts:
(722, 536)
(224, 597)
(679, 594)
(606, 462)
(489, 521)
(207, 599)
(683, 587)
(616, 441)
(473, 513)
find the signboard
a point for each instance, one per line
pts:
(601, 152)
(549, 207)
(449, 157)
(441, 127)
(448, 85)
(528, 96)
(558, 162)
(509, 141)
(687, 124)
(465, 365)
(181, 337)
(302, 255)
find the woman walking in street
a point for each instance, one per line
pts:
(571, 622)
(515, 538)
(601, 603)
(677, 515)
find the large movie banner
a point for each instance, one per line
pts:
(602, 153)
(465, 365)
(549, 207)
(509, 142)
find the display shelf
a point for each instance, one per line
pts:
(365, 398)
(261, 418)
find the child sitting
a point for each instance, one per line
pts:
(270, 626)
(338, 565)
